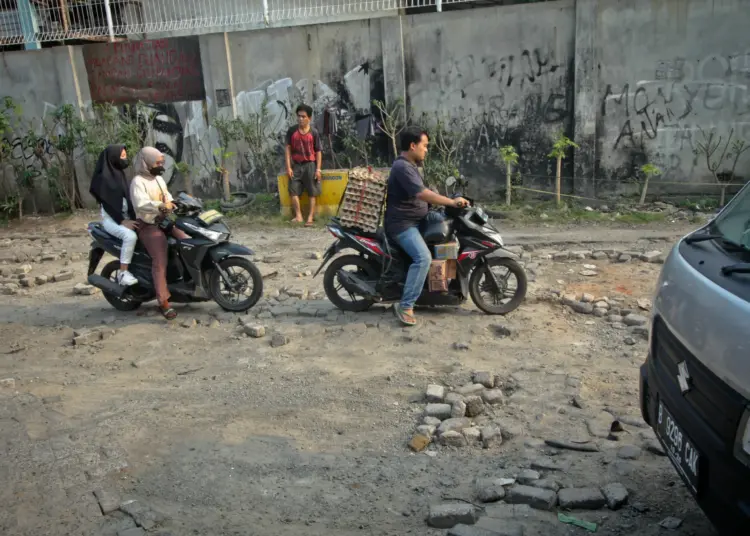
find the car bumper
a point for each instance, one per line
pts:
(724, 482)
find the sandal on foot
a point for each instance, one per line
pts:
(309, 224)
(405, 318)
(169, 313)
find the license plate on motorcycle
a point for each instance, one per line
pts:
(679, 448)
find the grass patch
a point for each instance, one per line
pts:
(641, 217)
(549, 212)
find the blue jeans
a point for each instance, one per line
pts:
(413, 244)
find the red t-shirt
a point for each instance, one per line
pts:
(303, 146)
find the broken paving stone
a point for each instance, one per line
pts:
(635, 320)
(439, 411)
(472, 434)
(644, 303)
(545, 483)
(589, 273)
(474, 406)
(599, 312)
(22, 270)
(278, 340)
(641, 332)
(435, 393)
(108, 501)
(470, 389)
(581, 498)
(490, 489)
(615, 319)
(26, 282)
(419, 442)
(616, 495)
(670, 523)
(538, 498)
(458, 409)
(624, 258)
(630, 341)
(472, 530)
(493, 396)
(255, 331)
(629, 452)
(492, 436)
(189, 323)
(453, 439)
(40, 279)
(453, 397)
(527, 476)
(63, 276)
(454, 424)
(546, 464)
(82, 289)
(653, 257)
(426, 429)
(581, 307)
(431, 421)
(446, 516)
(8, 383)
(484, 378)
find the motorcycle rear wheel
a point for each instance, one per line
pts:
(125, 303)
(503, 308)
(217, 285)
(330, 282)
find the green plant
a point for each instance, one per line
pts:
(559, 150)
(648, 171)
(709, 148)
(443, 161)
(509, 157)
(393, 119)
(229, 131)
(258, 131)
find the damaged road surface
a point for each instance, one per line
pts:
(297, 419)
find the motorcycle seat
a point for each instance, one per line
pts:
(97, 229)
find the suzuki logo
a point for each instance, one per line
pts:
(683, 377)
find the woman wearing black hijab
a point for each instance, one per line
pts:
(109, 186)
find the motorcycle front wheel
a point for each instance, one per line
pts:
(245, 286)
(509, 296)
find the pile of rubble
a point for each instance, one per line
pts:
(652, 257)
(14, 279)
(462, 417)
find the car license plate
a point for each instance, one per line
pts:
(679, 448)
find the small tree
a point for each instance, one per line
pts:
(509, 156)
(561, 145)
(648, 170)
(229, 131)
(711, 148)
(258, 132)
(393, 119)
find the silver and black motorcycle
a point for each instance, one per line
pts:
(202, 268)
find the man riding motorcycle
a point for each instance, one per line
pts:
(406, 206)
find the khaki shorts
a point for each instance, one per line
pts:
(304, 180)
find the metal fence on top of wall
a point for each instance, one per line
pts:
(37, 21)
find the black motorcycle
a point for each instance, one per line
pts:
(377, 272)
(204, 267)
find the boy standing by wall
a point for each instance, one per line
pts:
(304, 158)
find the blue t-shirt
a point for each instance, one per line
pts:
(403, 210)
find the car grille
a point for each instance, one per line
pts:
(719, 406)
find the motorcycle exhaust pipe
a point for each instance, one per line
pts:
(106, 285)
(355, 285)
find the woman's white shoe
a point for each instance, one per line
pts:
(126, 279)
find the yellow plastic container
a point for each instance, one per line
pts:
(333, 184)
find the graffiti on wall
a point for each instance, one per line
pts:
(660, 120)
(520, 99)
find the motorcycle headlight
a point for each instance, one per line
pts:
(213, 235)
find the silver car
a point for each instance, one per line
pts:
(695, 383)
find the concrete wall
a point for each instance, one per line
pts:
(501, 75)
(632, 81)
(666, 70)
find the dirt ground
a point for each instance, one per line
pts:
(212, 432)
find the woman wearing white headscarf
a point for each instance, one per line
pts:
(152, 200)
